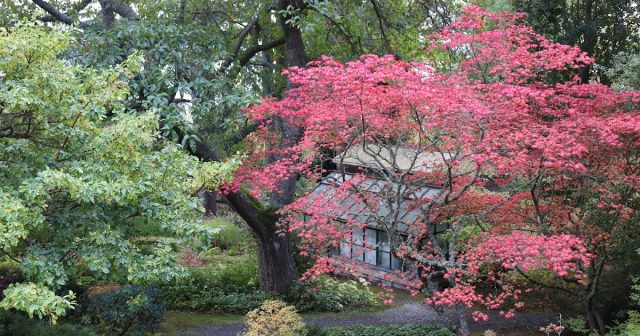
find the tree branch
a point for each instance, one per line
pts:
(381, 23)
(243, 34)
(57, 14)
(76, 8)
(528, 278)
(248, 55)
(123, 9)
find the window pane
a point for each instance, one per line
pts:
(395, 263)
(384, 258)
(383, 241)
(357, 244)
(370, 252)
(345, 249)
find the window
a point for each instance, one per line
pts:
(372, 247)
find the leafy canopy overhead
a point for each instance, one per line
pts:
(77, 174)
(519, 167)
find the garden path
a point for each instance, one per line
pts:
(407, 312)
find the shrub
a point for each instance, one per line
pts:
(10, 272)
(18, 324)
(229, 285)
(191, 259)
(191, 298)
(632, 324)
(329, 294)
(314, 330)
(229, 275)
(393, 330)
(275, 318)
(131, 309)
(230, 235)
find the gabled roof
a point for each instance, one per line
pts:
(390, 157)
(352, 209)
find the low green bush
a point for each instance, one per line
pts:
(225, 284)
(329, 294)
(393, 330)
(230, 235)
(10, 272)
(189, 298)
(18, 324)
(229, 274)
(129, 310)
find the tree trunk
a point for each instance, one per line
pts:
(463, 327)
(276, 266)
(594, 319)
(209, 201)
(277, 269)
(589, 38)
(275, 261)
(295, 55)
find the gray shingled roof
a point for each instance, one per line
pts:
(391, 157)
(357, 210)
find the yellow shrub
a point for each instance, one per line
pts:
(275, 318)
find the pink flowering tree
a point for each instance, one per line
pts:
(498, 143)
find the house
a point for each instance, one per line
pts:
(390, 220)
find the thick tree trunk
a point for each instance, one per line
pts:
(276, 265)
(463, 326)
(209, 201)
(595, 321)
(277, 269)
(589, 38)
(295, 55)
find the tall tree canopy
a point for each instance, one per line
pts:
(78, 173)
(530, 175)
(214, 58)
(185, 69)
(602, 28)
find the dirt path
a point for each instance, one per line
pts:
(404, 313)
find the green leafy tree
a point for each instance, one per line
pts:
(205, 61)
(77, 173)
(601, 28)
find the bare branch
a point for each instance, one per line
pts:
(381, 23)
(243, 34)
(248, 55)
(123, 9)
(60, 16)
(76, 8)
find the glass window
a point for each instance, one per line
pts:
(384, 259)
(371, 246)
(345, 249)
(357, 250)
(395, 263)
(371, 243)
(384, 250)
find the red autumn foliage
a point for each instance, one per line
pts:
(521, 153)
